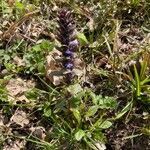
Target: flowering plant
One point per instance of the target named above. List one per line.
(66, 36)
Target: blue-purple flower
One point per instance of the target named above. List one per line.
(68, 53)
(69, 65)
(73, 45)
(67, 37)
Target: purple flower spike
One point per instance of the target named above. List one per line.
(66, 36)
(68, 53)
(66, 26)
(69, 65)
(73, 44)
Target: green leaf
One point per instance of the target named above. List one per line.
(47, 109)
(144, 65)
(3, 94)
(94, 98)
(92, 110)
(145, 81)
(100, 72)
(41, 67)
(135, 2)
(79, 135)
(107, 102)
(105, 125)
(124, 110)
(98, 135)
(6, 57)
(74, 89)
(76, 114)
(46, 45)
(36, 48)
(137, 79)
(90, 143)
(32, 94)
(47, 112)
(2, 52)
(82, 38)
(19, 5)
(103, 102)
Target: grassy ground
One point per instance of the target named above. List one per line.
(105, 106)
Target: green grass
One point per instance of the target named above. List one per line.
(115, 51)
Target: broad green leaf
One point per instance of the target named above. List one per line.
(19, 5)
(96, 125)
(6, 57)
(76, 114)
(76, 99)
(46, 45)
(82, 38)
(103, 102)
(41, 67)
(94, 98)
(74, 89)
(34, 93)
(36, 48)
(92, 110)
(2, 52)
(79, 134)
(98, 135)
(107, 102)
(106, 124)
